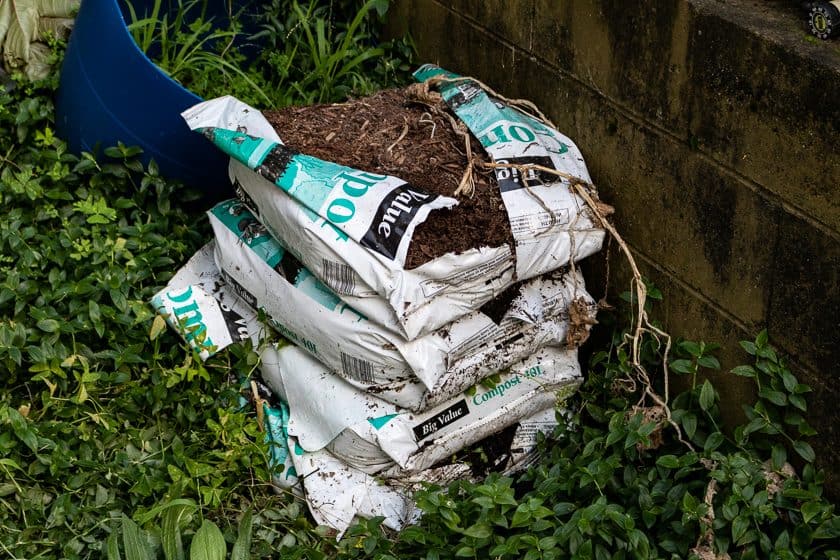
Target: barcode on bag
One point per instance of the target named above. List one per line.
(339, 277)
(356, 368)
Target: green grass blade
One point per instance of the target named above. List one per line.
(323, 42)
(357, 21)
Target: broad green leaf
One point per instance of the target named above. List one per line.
(48, 325)
(799, 402)
(714, 441)
(707, 395)
(709, 362)
(242, 546)
(93, 311)
(521, 517)
(739, 526)
(744, 371)
(480, 531)
(113, 547)
(789, 380)
(682, 366)
(804, 450)
(208, 543)
(134, 542)
(158, 325)
(170, 534)
(779, 456)
(689, 422)
(811, 509)
(776, 397)
(668, 461)
(691, 347)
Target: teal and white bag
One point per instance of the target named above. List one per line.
(413, 374)
(352, 229)
(378, 437)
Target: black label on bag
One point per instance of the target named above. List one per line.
(239, 290)
(510, 178)
(275, 162)
(391, 220)
(467, 90)
(443, 418)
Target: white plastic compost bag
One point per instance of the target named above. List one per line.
(199, 306)
(352, 229)
(373, 435)
(335, 492)
(368, 355)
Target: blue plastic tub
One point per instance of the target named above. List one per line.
(110, 91)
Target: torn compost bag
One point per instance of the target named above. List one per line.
(379, 438)
(370, 356)
(352, 228)
(197, 304)
(336, 493)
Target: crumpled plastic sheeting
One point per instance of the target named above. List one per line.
(24, 26)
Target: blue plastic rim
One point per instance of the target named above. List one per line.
(111, 92)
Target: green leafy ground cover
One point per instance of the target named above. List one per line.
(116, 443)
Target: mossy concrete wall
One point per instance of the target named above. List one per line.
(713, 127)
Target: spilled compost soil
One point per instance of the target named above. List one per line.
(393, 133)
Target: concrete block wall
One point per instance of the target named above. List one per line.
(713, 126)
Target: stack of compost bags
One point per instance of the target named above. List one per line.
(390, 369)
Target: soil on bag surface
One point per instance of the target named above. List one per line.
(391, 133)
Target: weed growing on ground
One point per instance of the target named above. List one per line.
(312, 52)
